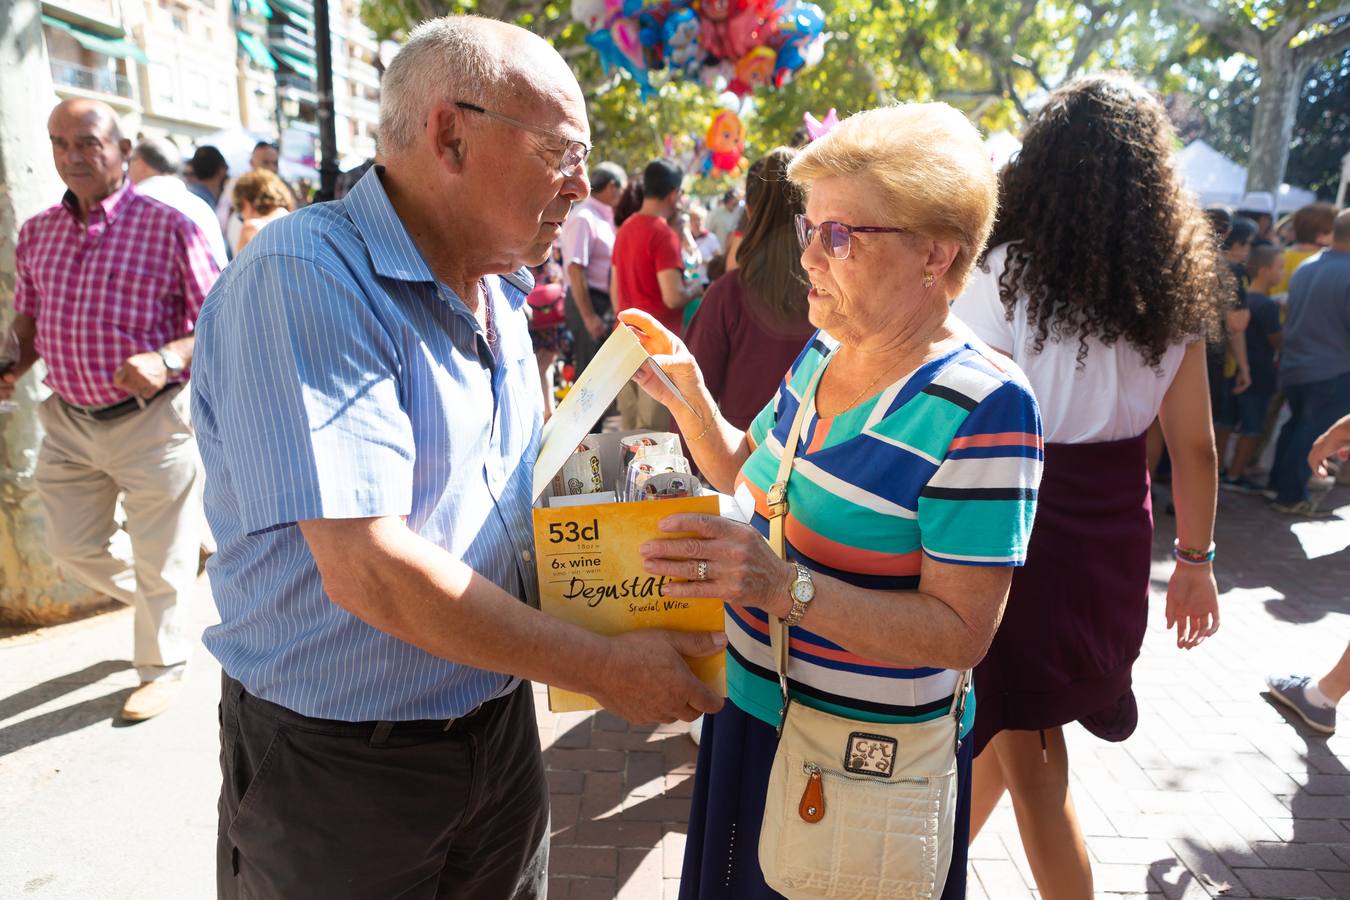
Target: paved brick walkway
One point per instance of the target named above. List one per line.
(1216, 794)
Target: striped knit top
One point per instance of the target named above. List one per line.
(944, 462)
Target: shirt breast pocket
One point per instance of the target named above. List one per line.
(135, 299)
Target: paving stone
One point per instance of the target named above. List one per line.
(1284, 883)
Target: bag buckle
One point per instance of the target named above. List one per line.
(777, 499)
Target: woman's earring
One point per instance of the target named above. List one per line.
(928, 279)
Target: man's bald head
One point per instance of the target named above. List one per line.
(88, 149)
(1340, 231)
(466, 59)
(96, 114)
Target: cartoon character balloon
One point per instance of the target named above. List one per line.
(754, 69)
(620, 48)
(682, 49)
(590, 13)
(726, 140)
(747, 43)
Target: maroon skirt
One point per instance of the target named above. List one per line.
(1077, 610)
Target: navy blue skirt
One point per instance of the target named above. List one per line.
(721, 856)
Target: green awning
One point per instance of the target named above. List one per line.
(255, 50)
(99, 43)
(293, 47)
(297, 11)
(260, 8)
(295, 63)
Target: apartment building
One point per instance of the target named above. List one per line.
(187, 69)
(189, 87)
(92, 55)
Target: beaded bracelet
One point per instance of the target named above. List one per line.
(1192, 557)
(707, 426)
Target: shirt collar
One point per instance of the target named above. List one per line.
(603, 210)
(392, 251)
(112, 205)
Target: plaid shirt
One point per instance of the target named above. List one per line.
(128, 281)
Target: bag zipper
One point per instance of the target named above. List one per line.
(812, 805)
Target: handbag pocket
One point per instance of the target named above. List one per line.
(831, 833)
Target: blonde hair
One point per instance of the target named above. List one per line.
(931, 173)
(264, 190)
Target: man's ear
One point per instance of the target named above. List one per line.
(124, 145)
(445, 131)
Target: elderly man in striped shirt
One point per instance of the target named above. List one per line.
(109, 285)
(369, 413)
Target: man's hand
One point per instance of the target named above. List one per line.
(142, 375)
(595, 326)
(645, 680)
(7, 381)
(1242, 380)
(1334, 443)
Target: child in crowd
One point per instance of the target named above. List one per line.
(1249, 409)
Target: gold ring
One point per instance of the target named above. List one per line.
(702, 570)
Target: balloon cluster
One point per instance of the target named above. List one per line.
(737, 45)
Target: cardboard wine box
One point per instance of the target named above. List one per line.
(590, 570)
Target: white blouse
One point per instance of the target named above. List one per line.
(1114, 395)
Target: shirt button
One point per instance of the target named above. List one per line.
(525, 555)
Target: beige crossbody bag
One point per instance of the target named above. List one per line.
(857, 810)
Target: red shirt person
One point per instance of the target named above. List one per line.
(648, 274)
(108, 290)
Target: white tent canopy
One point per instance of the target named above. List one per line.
(1218, 181)
(236, 145)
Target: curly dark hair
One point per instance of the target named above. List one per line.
(1104, 241)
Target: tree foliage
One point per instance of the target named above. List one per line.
(1222, 112)
(994, 59)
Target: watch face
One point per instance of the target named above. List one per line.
(803, 591)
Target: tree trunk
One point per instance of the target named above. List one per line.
(1273, 125)
(31, 590)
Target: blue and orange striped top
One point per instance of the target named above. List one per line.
(945, 462)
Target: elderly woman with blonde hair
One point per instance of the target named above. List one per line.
(260, 197)
(914, 456)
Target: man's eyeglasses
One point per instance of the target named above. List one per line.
(574, 154)
(836, 237)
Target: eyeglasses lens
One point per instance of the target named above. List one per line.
(836, 238)
(805, 231)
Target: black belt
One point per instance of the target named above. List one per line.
(377, 732)
(117, 410)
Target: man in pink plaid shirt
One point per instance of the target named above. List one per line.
(109, 286)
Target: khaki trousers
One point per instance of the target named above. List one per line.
(148, 458)
(639, 412)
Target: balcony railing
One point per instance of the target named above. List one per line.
(99, 80)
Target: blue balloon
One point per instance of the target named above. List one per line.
(612, 57)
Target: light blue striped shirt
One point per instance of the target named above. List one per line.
(335, 377)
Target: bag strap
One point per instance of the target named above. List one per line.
(777, 501)
(778, 506)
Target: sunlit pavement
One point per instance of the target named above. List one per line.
(1216, 794)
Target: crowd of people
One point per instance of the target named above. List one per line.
(940, 389)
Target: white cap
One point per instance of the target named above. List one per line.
(1258, 201)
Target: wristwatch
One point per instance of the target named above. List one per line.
(802, 591)
(173, 363)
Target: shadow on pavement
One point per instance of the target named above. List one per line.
(1258, 549)
(49, 690)
(63, 721)
(623, 797)
(1316, 808)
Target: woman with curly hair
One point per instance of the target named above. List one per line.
(1101, 282)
